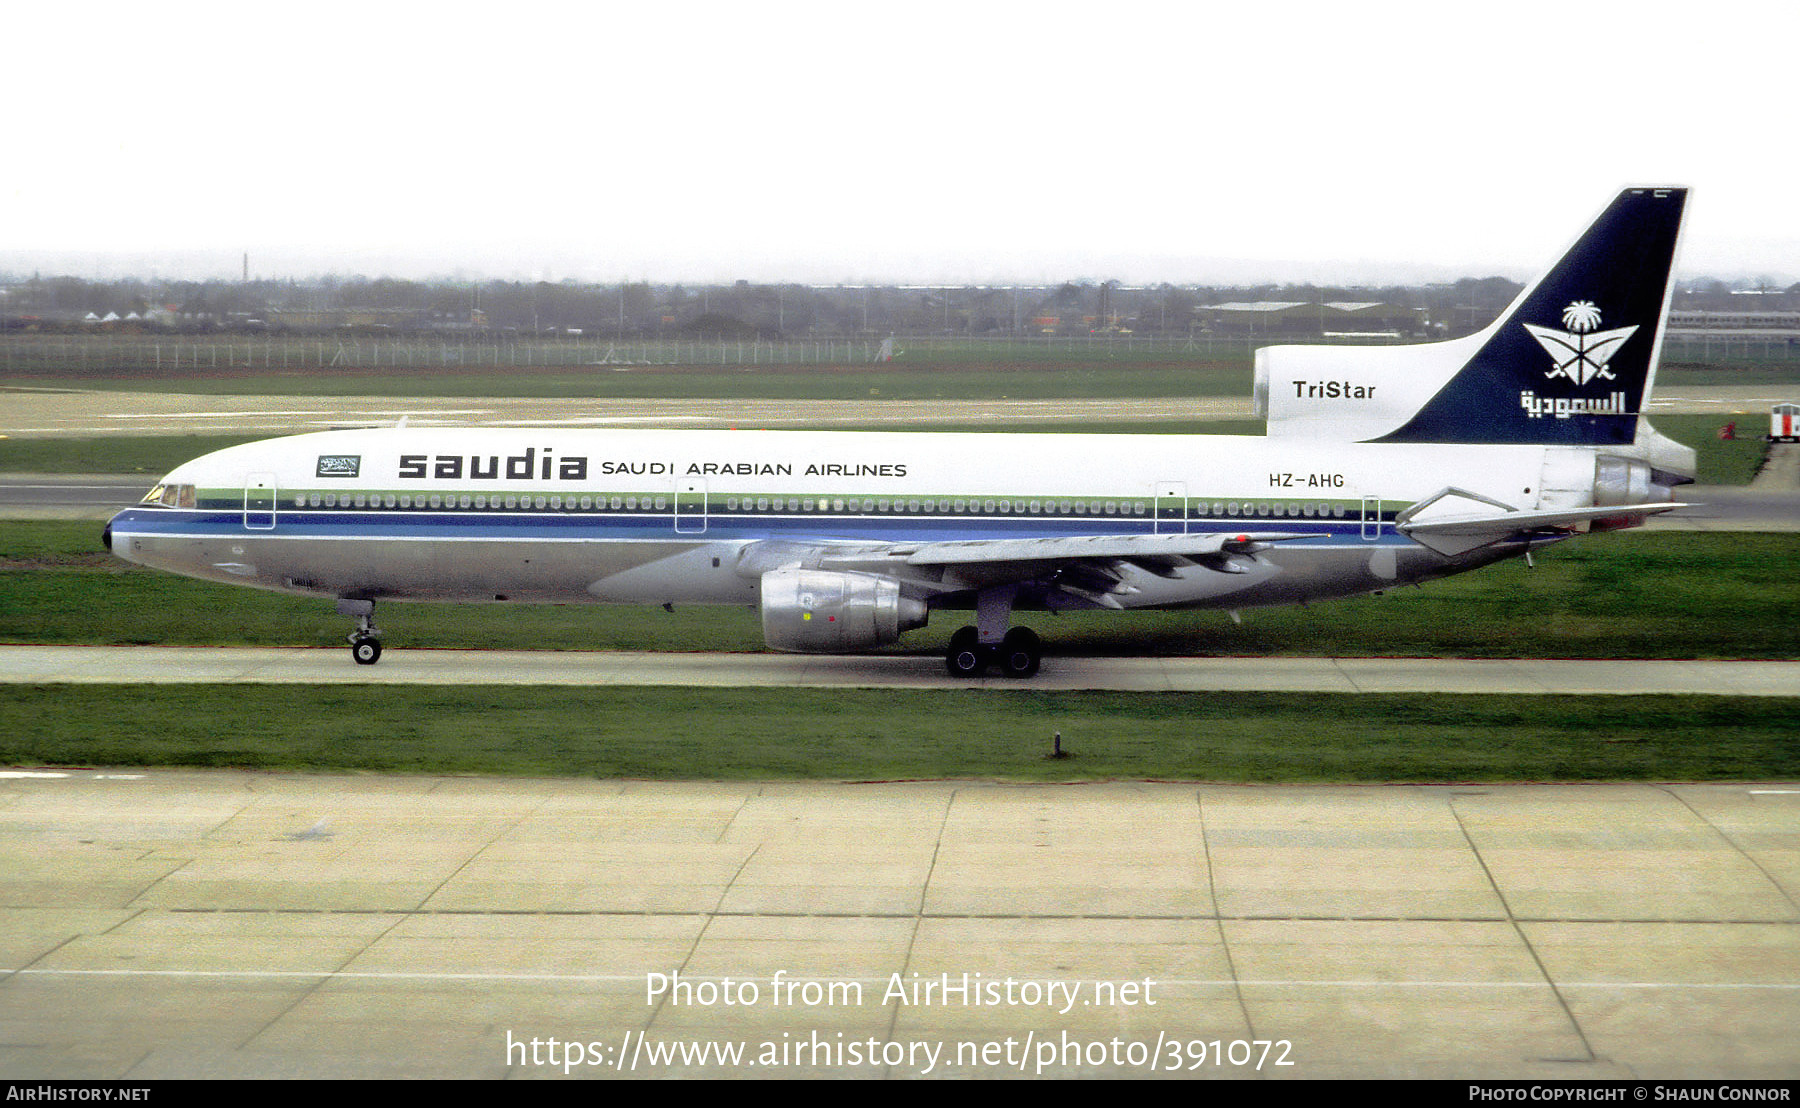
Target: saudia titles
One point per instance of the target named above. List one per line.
(1579, 354)
(531, 465)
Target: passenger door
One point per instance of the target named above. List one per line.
(259, 502)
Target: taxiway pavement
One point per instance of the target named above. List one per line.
(177, 924)
(85, 414)
(139, 665)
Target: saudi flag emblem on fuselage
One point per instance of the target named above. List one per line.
(1580, 353)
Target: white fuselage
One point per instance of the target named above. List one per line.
(663, 516)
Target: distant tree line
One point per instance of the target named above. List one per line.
(739, 310)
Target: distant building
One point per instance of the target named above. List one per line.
(1297, 318)
(1734, 321)
(332, 319)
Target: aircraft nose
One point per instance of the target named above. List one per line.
(106, 533)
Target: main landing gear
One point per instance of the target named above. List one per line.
(1016, 652)
(1016, 655)
(365, 641)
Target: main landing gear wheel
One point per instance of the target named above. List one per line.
(365, 649)
(966, 656)
(1020, 653)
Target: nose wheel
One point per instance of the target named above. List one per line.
(365, 641)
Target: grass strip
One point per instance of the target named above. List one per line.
(741, 734)
(1144, 375)
(1632, 595)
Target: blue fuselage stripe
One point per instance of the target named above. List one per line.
(660, 526)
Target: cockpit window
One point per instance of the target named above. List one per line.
(170, 496)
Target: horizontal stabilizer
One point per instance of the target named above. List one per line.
(1451, 535)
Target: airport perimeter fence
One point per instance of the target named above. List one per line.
(58, 354)
(74, 356)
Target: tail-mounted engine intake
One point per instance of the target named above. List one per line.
(814, 611)
(1623, 481)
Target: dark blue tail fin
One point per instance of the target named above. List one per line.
(1571, 362)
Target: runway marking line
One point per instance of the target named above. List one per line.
(638, 978)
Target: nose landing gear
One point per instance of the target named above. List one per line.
(365, 641)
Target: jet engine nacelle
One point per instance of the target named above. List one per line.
(814, 611)
(1621, 481)
(1625, 481)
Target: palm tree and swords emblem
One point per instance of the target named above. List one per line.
(1580, 353)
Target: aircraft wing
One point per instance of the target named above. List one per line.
(1085, 547)
(1091, 567)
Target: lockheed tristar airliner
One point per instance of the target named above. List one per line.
(1381, 466)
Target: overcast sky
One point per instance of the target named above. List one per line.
(919, 141)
